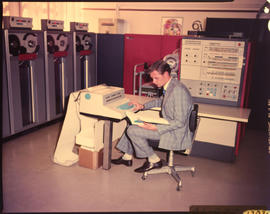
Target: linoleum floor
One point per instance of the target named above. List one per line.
(32, 182)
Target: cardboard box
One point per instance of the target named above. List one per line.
(90, 159)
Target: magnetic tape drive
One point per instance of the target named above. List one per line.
(20, 38)
(57, 40)
(83, 39)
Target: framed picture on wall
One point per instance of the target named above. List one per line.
(172, 26)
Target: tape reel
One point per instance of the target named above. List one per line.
(197, 25)
(87, 42)
(173, 62)
(62, 42)
(22, 43)
(83, 42)
(30, 42)
(51, 44)
(79, 46)
(14, 45)
(57, 42)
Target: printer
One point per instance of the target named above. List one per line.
(105, 101)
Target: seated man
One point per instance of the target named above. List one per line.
(176, 105)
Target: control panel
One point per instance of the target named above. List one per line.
(47, 24)
(213, 68)
(212, 90)
(77, 26)
(17, 22)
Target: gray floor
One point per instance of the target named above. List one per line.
(33, 183)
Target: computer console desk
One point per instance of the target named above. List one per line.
(217, 137)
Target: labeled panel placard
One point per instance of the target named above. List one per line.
(213, 69)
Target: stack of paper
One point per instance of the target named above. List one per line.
(149, 116)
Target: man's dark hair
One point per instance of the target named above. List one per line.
(159, 66)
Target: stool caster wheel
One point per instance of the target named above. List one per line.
(143, 177)
(179, 186)
(193, 172)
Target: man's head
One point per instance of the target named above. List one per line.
(160, 73)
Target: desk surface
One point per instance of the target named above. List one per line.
(224, 112)
(139, 99)
(209, 110)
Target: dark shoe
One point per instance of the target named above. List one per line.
(122, 161)
(149, 166)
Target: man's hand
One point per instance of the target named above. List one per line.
(148, 126)
(137, 107)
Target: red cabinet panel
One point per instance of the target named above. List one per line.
(140, 48)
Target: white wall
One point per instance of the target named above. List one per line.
(140, 17)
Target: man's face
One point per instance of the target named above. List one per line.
(159, 79)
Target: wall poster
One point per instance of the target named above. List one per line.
(172, 26)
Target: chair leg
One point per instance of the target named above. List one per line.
(171, 170)
(164, 169)
(185, 168)
(177, 178)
